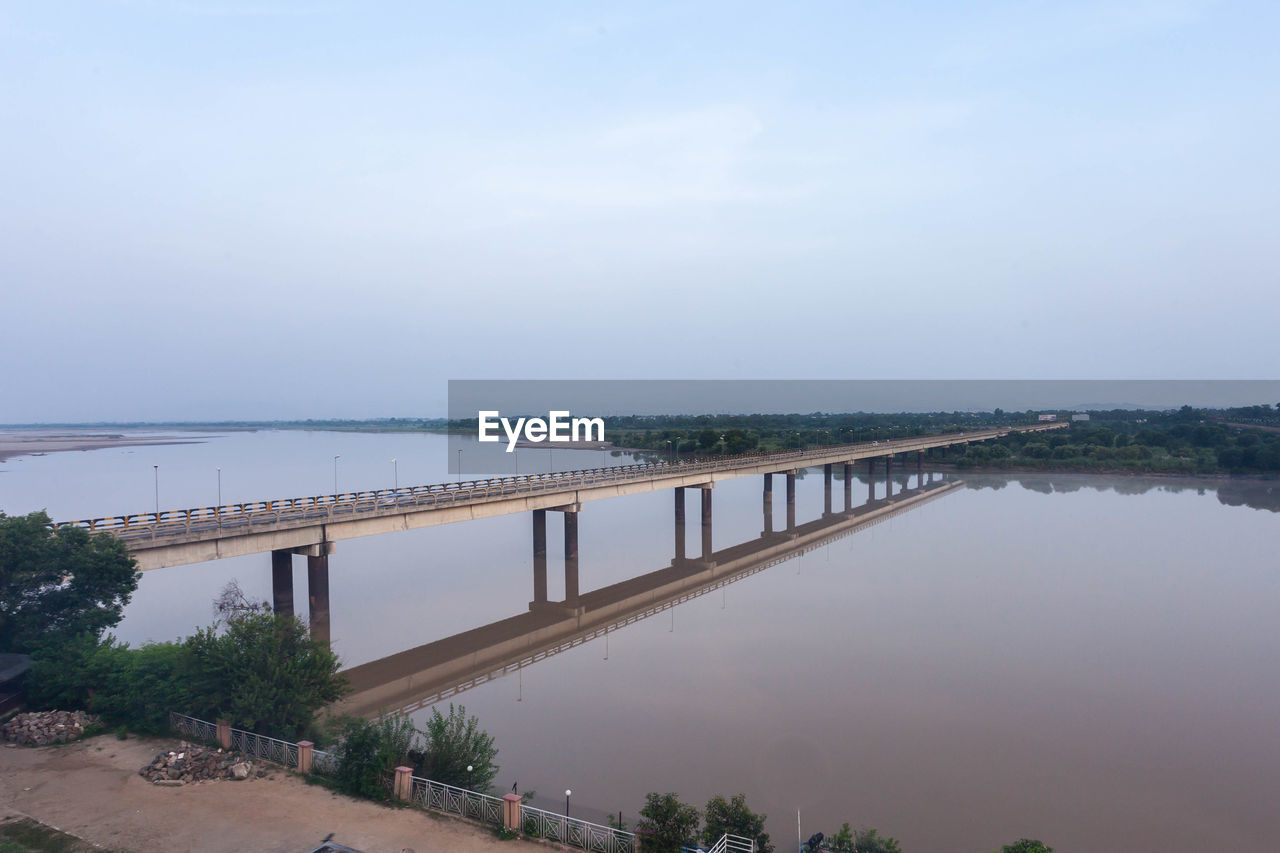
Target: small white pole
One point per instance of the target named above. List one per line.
(799, 835)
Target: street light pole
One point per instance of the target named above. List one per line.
(395, 473)
(157, 472)
(219, 487)
(459, 464)
(335, 473)
(567, 792)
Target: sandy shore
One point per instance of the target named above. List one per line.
(92, 789)
(33, 442)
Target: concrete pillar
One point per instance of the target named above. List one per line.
(539, 555)
(224, 733)
(768, 504)
(306, 753)
(680, 534)
(706, 524)
(511, 811)
(403, 787)
(571, 556)
(871, 479)
(888, 476)
(919, 468)
(318, 596)
(848, 486)
(791, 500)
(282, 582)
(826, 489)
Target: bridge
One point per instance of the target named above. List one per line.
(311, 526)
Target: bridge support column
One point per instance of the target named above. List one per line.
(318, 596)
(768, 504)
(706, 523)
(848, 486)
(791, 500)
(919, 469)
(539, 556)
(680, 531)
(282, 582)
(826, 489)
(571, 557)
(871, 479)
(888, 476)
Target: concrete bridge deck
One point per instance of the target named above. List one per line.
(309, 525)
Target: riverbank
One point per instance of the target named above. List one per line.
(37, 443)
(91, 789)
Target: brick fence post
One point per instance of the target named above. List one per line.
(403, 787)
(224, 734)
(511, 811)
(304, 755)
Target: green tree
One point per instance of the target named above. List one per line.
(666, 824)
(848, 840)
(368, 750)
(264, 672)
(452, 743)
(734, 817)
(58, 584)
(1026, 845)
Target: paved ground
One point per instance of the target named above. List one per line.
(92, 789)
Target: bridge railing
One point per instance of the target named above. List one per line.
(248, 513)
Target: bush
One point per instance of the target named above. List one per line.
(733, 816)
(370, 750)
(452, 743)
(666, 824)
(264, 673)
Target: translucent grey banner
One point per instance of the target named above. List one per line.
(491, 418)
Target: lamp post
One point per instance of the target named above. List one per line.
(219, 491)
(459, 464)
(469, 769)
(156, 468)
(567, 792)
(335, 473)
(395, 474)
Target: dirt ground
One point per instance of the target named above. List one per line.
(92, 789)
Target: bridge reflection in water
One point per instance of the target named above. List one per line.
(430, 673)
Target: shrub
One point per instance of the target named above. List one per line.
(666, 824)
(452, 743)
(370, 750)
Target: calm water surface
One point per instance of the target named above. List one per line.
(1087, 660)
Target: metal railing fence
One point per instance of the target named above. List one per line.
(242, 516)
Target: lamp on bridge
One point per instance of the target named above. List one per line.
(395, 474)
(335, 473)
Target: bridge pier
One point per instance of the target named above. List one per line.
(680, 531)
(919, 468)
(571, 557)
(826, 489)
(282, 582)
(791, 500)
(318, 596)
(706, 523)
(539, 556)
(888, 476)
(848, 486)
(768, 504)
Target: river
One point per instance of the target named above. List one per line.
(1082, 659)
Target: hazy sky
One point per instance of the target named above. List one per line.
(292, 209)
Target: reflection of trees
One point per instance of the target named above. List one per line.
(1256, 494)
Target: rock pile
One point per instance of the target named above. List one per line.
(189, 763)
(39, 728)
